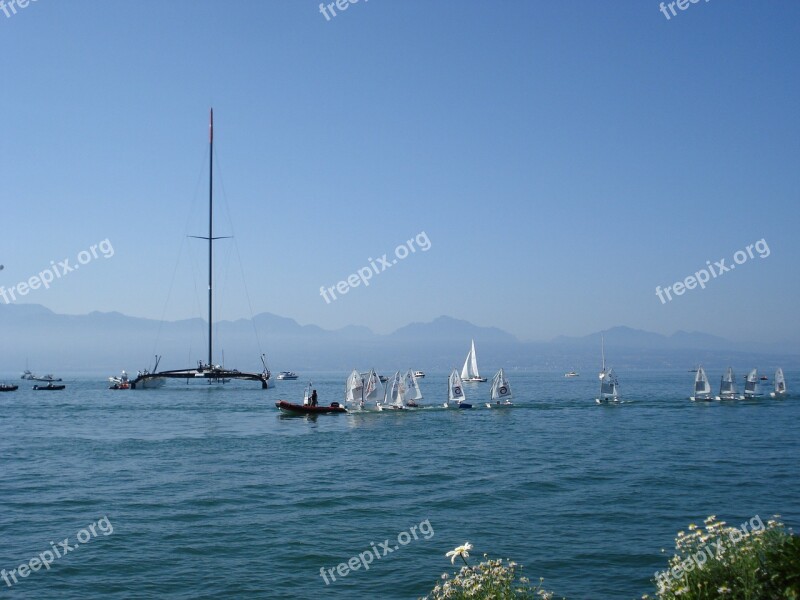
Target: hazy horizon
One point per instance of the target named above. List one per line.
(561, 172)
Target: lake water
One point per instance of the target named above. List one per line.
(212, 494)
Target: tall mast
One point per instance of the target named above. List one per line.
(603, 351)
(210, 227)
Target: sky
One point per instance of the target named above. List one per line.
(559, 160)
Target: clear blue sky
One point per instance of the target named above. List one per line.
(564, 159)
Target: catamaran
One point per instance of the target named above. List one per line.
(780, 385)
(751, 389)
(413, 393)
(207, 370)
(608, 380)
(702, 388)
(727, 386)
(455, 391)
(394, 398)
(501, 391)
(470, 371)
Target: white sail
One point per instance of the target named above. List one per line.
(455, 388)
(727, 386)
(702, 388)
(373, 388)
(501, 389)
(470, 370)
(353, 388)
(608, 386)
(751, 385)
(395, 393)
(780, 384)
(412, 387)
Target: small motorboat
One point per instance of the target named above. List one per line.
(419, 374)
(292, 408)
(572, 374)
(287, 375)
(49, 387)
(120, 383)
(8, 387)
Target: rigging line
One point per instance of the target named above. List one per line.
(238, 254)
(180, 253)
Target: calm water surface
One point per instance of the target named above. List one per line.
(213, 494)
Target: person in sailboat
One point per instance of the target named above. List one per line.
(314, 398)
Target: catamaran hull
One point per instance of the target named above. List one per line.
(475, 380)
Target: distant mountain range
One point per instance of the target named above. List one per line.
(108, 342)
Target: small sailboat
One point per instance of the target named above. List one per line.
(727, 386)
(702, 388)
(751, 389)
(501, 391)
(455, 391)
(373, 387)
(780, 385)
(354, 390)
(394, 399)
(470, 371)
(413, 393)
(609, 385)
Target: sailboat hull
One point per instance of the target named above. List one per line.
(475, 380)
(607, 400)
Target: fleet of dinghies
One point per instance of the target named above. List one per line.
(728, 389)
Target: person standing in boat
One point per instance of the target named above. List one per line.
(314, 398)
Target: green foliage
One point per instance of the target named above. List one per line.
(718, 562)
